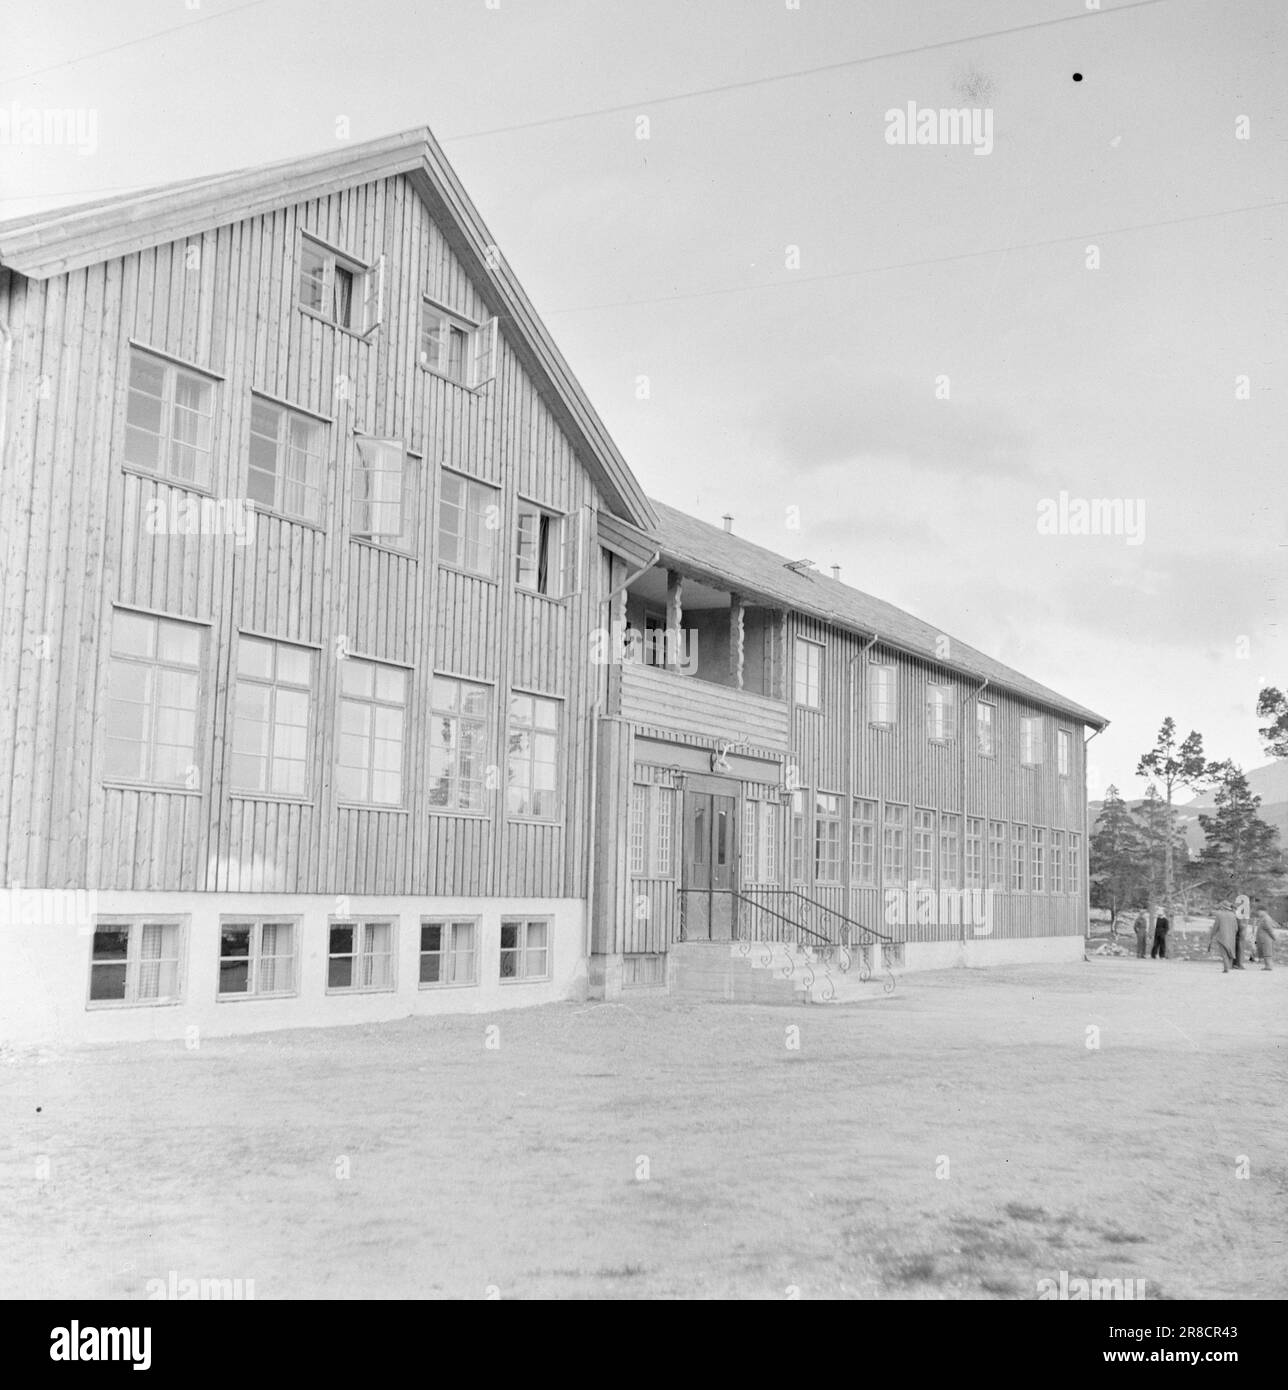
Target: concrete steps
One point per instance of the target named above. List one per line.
(765, 972)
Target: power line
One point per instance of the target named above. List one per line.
(793, 75)
(911, 265)
(130, 43)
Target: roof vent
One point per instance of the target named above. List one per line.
(798, 566)
(836, 571)
(728, 521)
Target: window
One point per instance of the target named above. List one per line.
(941, 713)
(996, 854)
(284, 468)
(135, 962)
(949, 850)
(1062, 743)
(256, 959)
(808, 671)
(271, 717)
(373, 714)
(340, 290)
(894, 846)
(153, 691)
(1075, 863)
(545, 555)
(384, 493)
(533, 766)
(460, 715)
(1031, 740)
(361, 956)
(1019, 848)
(468, 518)
(923, 848)
(448, 953)
(760, 841)
(454, 347)
(525, 950)
(863, 844)
(985, 722)
(974, 852)
(169, 420)
(1057, 861)
(1038, 878)
(827, 838)
(798, 837)
(652, 831)
(882, 695)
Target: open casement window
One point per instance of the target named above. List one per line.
(341, 290)
(455, 348)
(547, 551)
(384, 492)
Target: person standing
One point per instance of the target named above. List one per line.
(1161, 926)
(1243, 939)
(1225, 933)
(1266, 928)
(1141, 928)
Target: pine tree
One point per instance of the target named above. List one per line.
(1117, 852)
(1174, 765)
(1241, 852)
(1272, 705)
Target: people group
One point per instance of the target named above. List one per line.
(1240, 929)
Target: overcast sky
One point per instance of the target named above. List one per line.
(773, 385)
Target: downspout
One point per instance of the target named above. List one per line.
(1086, 840)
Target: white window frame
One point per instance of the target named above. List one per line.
(652, 830)
(480, 504)
(829, 833)
(157, 667)
(362, 928)
(1019, 858)
(1031, 736)
(807, 673)
(925, 831)
(883, 695)
(760, 841)
(167, 441)
(449, 952)
(135, 926)
(287, 448)
(997, 866)
(894, 844)
(478, 345)
(864, 820)
(255, 958)
(273, 684)
(523, 949)
(560, 535)
(527, 757)
(1037, 859)
(1074, 875)
(375, 702)
(975, 865)
(950, 849)
(986, 729)
(799, 836)
(385, 490)
(941, 712)
(1057, 861)
(471, 734)
(1063, 751)
(367, 300)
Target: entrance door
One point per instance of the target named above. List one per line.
(709, 848)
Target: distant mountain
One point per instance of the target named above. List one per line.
(1270, 783)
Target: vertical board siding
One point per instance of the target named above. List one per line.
(77, 535)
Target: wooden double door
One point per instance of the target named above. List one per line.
(709, 864)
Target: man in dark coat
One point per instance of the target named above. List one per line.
(1161, 925)
(1141, 928)
(1225, 932)
(1266, 928)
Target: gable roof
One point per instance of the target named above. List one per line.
(51, 243)
(710, 553)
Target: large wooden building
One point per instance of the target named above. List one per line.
(349, 673)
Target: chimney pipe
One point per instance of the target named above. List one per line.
(728, 521)
(836, 571)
